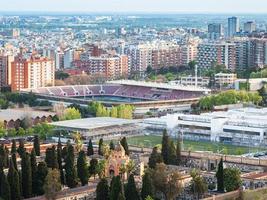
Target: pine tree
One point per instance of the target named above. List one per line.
(5, 188)
(102, 190)
(14, 159)
(115, 188)
(34, 171)
(178, 152)
(147, 186)
(21, 149)
(71, 174)
(111, 145)
(26, 174)
(82, 168)
(41, 174)
(90, 148)
(131, 192)
(13, 179)
(154, 158)
(59, 160)
(51, 158)
(100, 147)
(36, 144)
(14, 147)
(165, 151)
(93, 167)
(220, 177)
(125, 145)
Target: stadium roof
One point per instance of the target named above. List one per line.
(160, 85)
(93, 123)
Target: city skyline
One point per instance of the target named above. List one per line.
(149, 6)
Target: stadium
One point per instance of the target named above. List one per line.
(123, 91)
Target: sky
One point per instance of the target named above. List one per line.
(164, 6)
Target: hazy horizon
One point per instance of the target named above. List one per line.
(136, 6)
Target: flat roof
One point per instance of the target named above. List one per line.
(94, 123)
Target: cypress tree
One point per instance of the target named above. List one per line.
(34, 171)
(71, 174)
(59, 160)
(51, 158)
(5, 188)
(154, 158)
(172, 153)
(102, 190)
(21, 149)
(125, 145)
(36, 144)
(14, 159)
(178, 152)
(100, 147)
(111, 145)
(147, 186)
(93, 167)
(41, 174)
(82, 168)
(115, 188)
(219, 176)
(26, 175)
(14, 147)
(131, 192)
(165, 147)
(90, 148)
(13, 179)
(4, 155)
(121, 196)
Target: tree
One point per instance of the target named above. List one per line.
(59, 161)
(43, 130)
(78, 141)
(232, 179)
(198, 184)
(115, 188)
(111, 145)
(131, 192)
(93, 167)
(21, 150)
(71, 113)
(14, 159)
(100, 147)
(178, 152)
(52, 184)
(155, 158)
(51, 157)
(102, 190)
(125, 145)
(26, 173)
(41, 174)
(5, 188)
(13, 179)
(90, 148)
(166, 182)
(100, 168)
(71, 174)
(165, 151)
(121, 196)
(14, 147)
(147, 186)
(82, 168)
(36, 144)
(220, 177)
(172, 153)
(34, 171)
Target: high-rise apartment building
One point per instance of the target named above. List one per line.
(233, 26)
(215, 31)
(249, 27)
(32, 73)
(223, 53)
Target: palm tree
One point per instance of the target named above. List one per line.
(78, 141)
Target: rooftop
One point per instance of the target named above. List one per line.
(93, 123)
